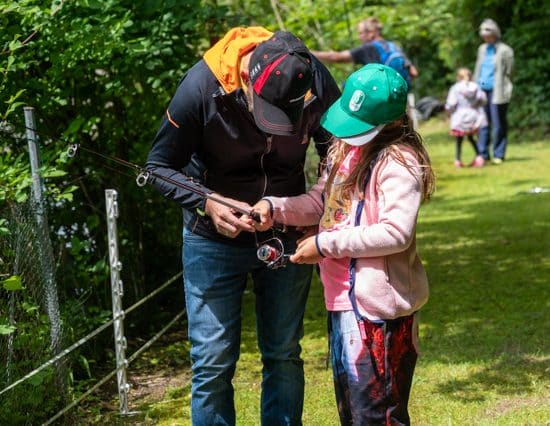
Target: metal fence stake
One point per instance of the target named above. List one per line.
(45, 248)
(117, 291)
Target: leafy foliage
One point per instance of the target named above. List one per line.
(438, 36)
(100, 73)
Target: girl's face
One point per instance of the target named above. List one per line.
(463, 75)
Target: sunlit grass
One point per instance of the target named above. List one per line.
(485, 242)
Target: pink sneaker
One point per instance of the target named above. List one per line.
(458, 164)
(479, 161)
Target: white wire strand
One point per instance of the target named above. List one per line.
(94, 333)
(112, 373)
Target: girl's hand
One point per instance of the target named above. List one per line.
(306, 252)
(263, 208)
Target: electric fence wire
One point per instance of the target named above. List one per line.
(112, 373)
(91, 335)
(94, 333)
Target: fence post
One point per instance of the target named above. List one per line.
(44, 245)
(117, 291)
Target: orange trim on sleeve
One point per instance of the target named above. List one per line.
(172, 122)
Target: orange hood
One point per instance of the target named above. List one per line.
(224, 57)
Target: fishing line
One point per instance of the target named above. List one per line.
(270, 251)
(144, 174)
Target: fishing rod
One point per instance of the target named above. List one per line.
(144, 176)
(270, 251)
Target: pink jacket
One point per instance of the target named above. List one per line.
(390, 280)
(465, 103)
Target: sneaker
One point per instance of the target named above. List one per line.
(479, 161)
(497, 160)
(458, 164)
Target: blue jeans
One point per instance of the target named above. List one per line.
(496, 117)
(215, 276)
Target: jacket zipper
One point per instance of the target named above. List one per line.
(267, 150)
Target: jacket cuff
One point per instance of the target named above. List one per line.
(270, 206)
(317, 245)
(201, 208)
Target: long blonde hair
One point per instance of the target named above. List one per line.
(387, 142)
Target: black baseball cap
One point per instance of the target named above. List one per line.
(281, 74)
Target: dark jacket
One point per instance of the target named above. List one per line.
(209, 136)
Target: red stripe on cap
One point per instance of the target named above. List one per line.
(259, 83)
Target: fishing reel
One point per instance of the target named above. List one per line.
(272, 253)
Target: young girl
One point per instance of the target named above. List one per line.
(366, 204)
(465, 104)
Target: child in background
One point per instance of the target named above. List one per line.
(366, 204)
(465, 104)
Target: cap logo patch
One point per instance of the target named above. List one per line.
(257, 68)
(356, 100)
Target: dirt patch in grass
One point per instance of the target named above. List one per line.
(150, 386)
(163, 368)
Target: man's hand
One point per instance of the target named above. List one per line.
(227, 220)
(306, 252)
(263, 208)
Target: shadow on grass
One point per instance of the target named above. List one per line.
(489, 271)
(489, 268)
(512, 375)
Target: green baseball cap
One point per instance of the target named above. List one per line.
(373, 96)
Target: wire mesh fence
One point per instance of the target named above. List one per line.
(34, 370)
(26, 329)
(50, 299)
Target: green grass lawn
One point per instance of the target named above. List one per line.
(485, 358)
(484, 239)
